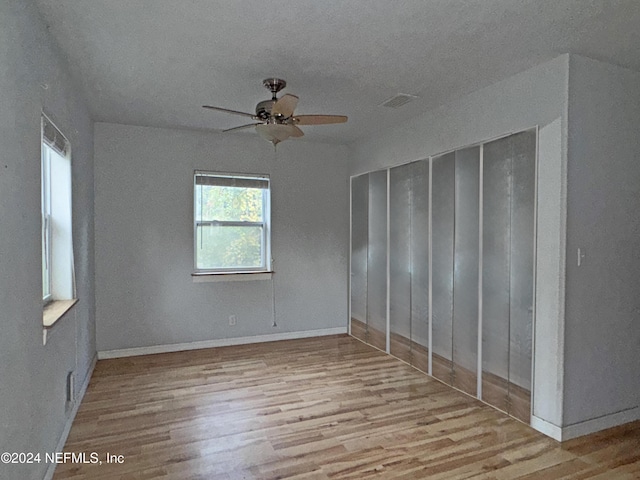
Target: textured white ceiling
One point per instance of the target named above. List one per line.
(155, 62)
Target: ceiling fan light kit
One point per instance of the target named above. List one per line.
(274, 119)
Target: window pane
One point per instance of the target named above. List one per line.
(229, 203)
(228, 247)
(46, 220)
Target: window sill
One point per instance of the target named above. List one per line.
(55, 310)
(230, 276)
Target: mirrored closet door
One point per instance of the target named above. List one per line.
(508, 272)
(409, 263)
(450, 242)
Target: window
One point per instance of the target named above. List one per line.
(57, 245)
(231, 223)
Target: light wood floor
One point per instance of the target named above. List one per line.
(321, 408)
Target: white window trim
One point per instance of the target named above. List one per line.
(235, 274)
(230, 277)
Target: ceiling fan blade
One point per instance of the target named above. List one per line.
(318, 119)
(240, 127)
(226, 110)
(285, 105)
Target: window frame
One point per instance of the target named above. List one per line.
(56, 211)
(265, 252)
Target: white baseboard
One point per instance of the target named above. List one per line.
(562, 434)
(600, 423)
(549, 429)
(224, 342)
(67, 426)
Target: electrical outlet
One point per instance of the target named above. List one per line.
(232, 320)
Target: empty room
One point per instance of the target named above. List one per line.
(319, 239)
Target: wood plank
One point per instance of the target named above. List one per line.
(318, 408)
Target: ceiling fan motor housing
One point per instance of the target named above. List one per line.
(263, 109)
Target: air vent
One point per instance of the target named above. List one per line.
(398, 100)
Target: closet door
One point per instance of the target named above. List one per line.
(442, 240)
(507, 276)
(496, 268)
(400, 272)
(522, 268)
(377, 261)
(419, 265)
(359, 254)
(466, 263)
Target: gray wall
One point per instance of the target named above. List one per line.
(535, 97)
(32, 376)
(602, 362)
(144, 237)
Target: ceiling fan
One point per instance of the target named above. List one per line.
(274, 119)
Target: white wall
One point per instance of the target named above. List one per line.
(144, 238)
(32, 376)
(535, 97)
(602, 362)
